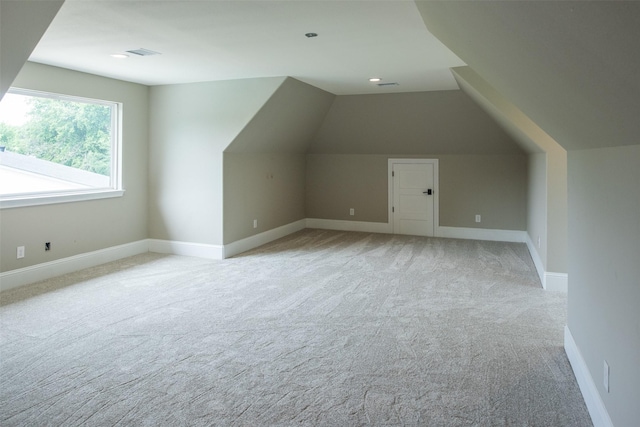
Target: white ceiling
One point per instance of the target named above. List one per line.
(223, 40)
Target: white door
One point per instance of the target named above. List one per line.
(414, 205)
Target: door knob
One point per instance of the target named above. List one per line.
(427, 192)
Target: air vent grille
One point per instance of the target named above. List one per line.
(388, 84)
(143, 52)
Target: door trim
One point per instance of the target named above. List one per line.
(436, 190)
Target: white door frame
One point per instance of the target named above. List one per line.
(436, 192)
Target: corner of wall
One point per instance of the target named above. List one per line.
(595, 405)
(557, 282)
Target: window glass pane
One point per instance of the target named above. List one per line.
(51, 143)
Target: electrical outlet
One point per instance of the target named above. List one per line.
(255, 223)
(47, 246)
(20, 252)
(478, 218)
(606, 376)
(352, 211)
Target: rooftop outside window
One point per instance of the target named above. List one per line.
(56, 145)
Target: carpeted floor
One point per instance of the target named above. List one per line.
(321, 328)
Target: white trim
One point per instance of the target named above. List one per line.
(24, 276)
(199, 250)
(595, 405)
(516, 236)
(251, 242)
(15, 278)
(481, 234)
(8, 202)
(436, 188)
(343, 225)
(447, 232)
(557, 282)
(537, 261)
(115, 144)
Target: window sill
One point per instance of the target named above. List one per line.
(54, 198)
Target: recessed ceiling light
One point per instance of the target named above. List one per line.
(310, 35)
(375, 79)
(119, 56)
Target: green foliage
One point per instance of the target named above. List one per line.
(69, 133)
(7, 135)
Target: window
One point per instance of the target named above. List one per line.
(56, 148)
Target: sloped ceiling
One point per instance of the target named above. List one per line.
(287, 122)
(572, 67)
(525, 133)
(22, 23)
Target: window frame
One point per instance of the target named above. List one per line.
(115, 188)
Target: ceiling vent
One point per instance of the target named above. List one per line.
(143, 52)
(388, 84)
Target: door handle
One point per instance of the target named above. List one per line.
(428, 192)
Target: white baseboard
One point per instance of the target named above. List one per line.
(24, 276)
(200, 250)
(448, 232)
(595, 405)
(343, 225)
(248, 243)
(557, 282)
(14, 278)
(516, 236)
(535, 256)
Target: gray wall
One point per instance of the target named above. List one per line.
(573, 68)
(266, 187)
(191, 125)
(547, 183)
(604, 271)
(482, 170)
(76, 228)
(537, 204)
(337, 182)
(493, 186)
(264, 167)
(557, 206)
(445, 122)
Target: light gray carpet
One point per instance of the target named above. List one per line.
(319, 328)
